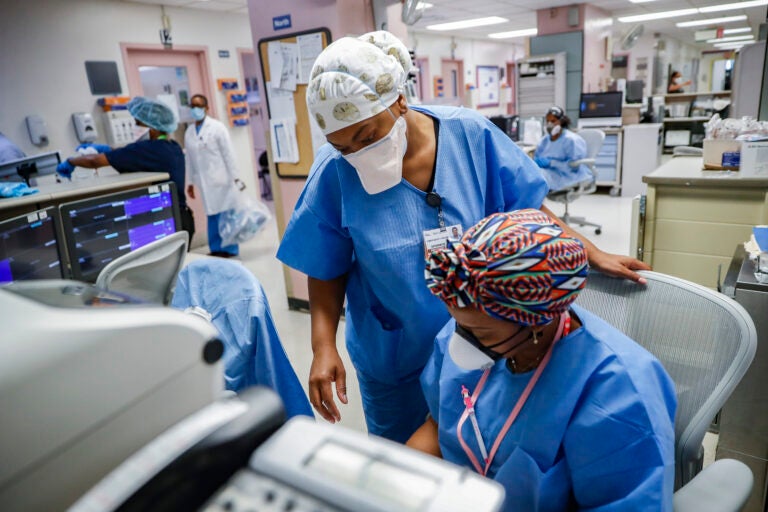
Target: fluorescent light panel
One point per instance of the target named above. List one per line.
(731, 46)
(712, 21)
(733, 6)
(514, 33)
(659, 15)
(423, 5)
(729, 39)
(737, 30)
(477, 22)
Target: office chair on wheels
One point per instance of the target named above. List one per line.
(706, 342)
(594, 139)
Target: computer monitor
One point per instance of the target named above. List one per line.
(29, 167)
(634, 91)
(600, 108)
(30, 247)
(98, 230)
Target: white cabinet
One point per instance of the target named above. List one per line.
(540, 84)
(641, 156)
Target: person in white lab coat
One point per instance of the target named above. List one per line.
(211, 168)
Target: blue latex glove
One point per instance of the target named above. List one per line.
(16, 190)
(101, 148)
(542, 161)
(65, 169)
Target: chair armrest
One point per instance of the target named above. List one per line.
(582, 161)
(723, 486)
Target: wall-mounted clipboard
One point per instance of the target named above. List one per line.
(301, 168)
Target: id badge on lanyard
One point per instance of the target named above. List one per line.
(435, 239)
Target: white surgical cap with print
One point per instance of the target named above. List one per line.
(356, 78)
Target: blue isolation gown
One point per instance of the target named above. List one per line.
(568, 146)
(391, 317)
(253, 354)
(597, 431)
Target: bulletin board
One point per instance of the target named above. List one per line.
(300, 169)
(488, 86)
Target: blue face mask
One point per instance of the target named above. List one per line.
(198, 113)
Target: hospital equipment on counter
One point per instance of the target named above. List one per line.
(304, 466)
(29, 168)
(706, 342)
(87, 377)
(31, 247)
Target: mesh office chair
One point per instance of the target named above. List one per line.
(706, 342)
(594, 139)
(149, 272)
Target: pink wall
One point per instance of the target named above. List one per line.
(554, 20)
(341, 17)
(597, 34)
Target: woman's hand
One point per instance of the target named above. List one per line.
(617, 266)
(327, 368)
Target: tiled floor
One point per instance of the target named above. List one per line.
(294, 327)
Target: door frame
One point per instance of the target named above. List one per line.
(200, 52)
(255, 170)
(460, 84)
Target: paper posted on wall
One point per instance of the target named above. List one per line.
(283, 137)
(283, 65)
(310, 46)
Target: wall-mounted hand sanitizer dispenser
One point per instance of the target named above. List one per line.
(85, 128)
(38, 131)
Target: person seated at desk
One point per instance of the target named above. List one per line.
(559, 147)
(555, 404)
(158, 153)
(676, 84)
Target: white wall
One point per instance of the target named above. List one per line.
(45, 43)
(473, 52)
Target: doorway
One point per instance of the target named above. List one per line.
(453, 81)
(249, 69)
(423, 83)
(173, 77)
(512, 88)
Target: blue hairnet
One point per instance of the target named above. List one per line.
(153, 113)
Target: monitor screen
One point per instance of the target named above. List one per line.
(600, 104)
(29, 168)
(101, 229)
(30, 247)
(103, 77)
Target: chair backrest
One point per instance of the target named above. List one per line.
(705, 340)
(594, 139)
(150, 271)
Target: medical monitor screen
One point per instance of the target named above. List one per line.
(29, 168)
(600, 104)
(101, 229)
(29, 247)
(102, 77)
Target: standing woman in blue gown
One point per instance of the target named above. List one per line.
(526, 388)
(391, 184)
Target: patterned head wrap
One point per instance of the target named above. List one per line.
(356, 78)
(517, 266)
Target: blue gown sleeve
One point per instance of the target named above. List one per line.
(315, 242)
(574, 148)
(430, 376)
(519, 179)
(620, 446)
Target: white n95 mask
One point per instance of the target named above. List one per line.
(380, 165)
(468, 353)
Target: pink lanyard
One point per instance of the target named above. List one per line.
(562, 331)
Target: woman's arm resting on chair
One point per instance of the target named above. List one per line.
(614, 265)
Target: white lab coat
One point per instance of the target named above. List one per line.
(211, 166)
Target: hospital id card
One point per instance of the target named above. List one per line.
(435, 239)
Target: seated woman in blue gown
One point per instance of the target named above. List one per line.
(535, 392)
(559, 147)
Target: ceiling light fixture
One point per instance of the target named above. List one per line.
(730, 46)
(736, 30)
(733, 6)
(514, 33)
(712, 21)
(423, 5)
(477, 22)
(659, 15)
(729, 39)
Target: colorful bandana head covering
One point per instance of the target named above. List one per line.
(517, 266)
(356, 78)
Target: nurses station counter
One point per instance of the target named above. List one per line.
(51, 193)
(694, 218)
